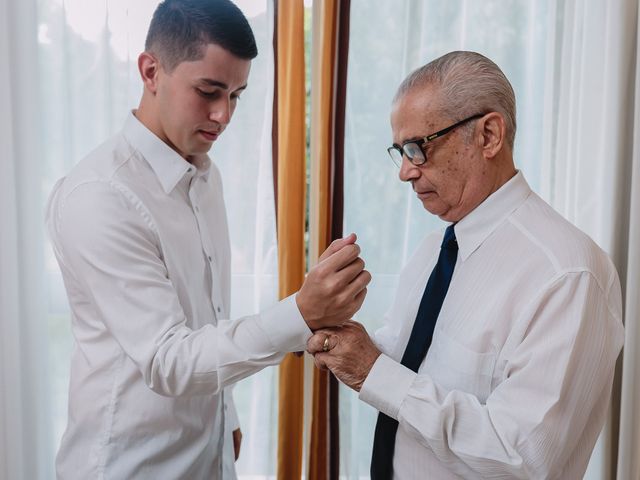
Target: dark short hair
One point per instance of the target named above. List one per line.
(181, 29)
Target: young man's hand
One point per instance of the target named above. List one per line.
(336, 287)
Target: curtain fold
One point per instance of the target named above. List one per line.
(291, 186)
(24, 409)
(324, 21)
(328, 91)
(628, 461)
(337, 217)
(591, 153)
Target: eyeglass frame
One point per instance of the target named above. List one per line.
(421, 142)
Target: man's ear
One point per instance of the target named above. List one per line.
(149, 68)
(492, 134)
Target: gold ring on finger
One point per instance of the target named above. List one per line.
(325, 345)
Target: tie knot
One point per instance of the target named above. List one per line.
(449, 241)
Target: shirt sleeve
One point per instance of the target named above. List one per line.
(559, 374)
(107, 242)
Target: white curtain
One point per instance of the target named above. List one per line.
(573, 68)
(629, 439)
(67, 82)
(24, 414)
(592, 155)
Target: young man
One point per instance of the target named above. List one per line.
(140, 232)
(498, 355)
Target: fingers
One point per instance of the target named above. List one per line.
(357, 286)
(351, 271)
(341, 258)
(336, 245)
(316, 344)
(352, 278)
(320, 359)
(359, 300)
(331, 292)
(315, 347)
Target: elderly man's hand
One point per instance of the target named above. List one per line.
(347, 351)
(336, 287)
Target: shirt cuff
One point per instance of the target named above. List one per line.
(387, 385)
(285, 327)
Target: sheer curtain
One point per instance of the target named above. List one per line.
(592, 154)
(24, 414)
(71, 82)
(572, 66)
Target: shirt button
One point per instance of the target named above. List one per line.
(218, 309)
(197, 209)
(209, 257)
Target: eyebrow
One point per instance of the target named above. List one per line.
(412, 139)
(218, 83)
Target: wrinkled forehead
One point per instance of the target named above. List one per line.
(416, 113)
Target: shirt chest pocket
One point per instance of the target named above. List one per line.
(454, 366)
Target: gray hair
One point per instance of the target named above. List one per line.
(468, 83)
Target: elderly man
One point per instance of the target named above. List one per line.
(498, 353)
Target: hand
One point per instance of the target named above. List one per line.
(336, 287)
(237, 440)
(350, 356)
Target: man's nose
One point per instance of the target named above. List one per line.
(408, 171)
(221, 112)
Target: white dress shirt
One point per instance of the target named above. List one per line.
(517, 381)
(142, 241)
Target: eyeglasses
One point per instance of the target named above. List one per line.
(414, 150)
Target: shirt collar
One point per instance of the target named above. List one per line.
(168, 166)
(476, 227)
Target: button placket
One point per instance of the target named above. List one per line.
(207, 248)
(196, 208)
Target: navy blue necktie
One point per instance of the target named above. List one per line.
(384, 440)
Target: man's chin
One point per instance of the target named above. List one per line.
(449, 216)
(201, 148)
(433, 208)
(440, 211)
